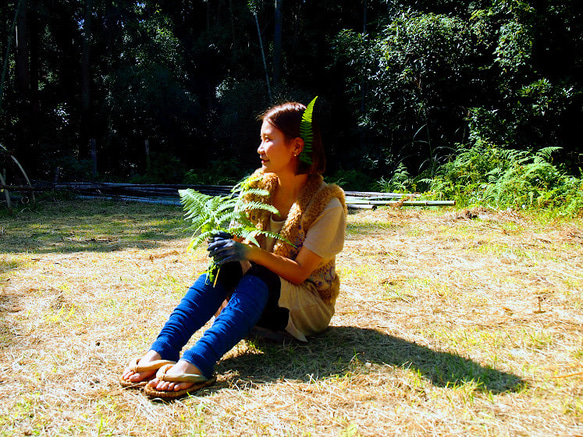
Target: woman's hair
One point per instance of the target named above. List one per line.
(287, 117)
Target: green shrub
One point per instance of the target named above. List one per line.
(352, 180)
(163, 169)
(71, 168)
(491, 176)
(400, 182)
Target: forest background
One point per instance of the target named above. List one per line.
(169, 92)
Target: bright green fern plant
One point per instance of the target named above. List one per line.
(307, 132)
(210, 215)
(492, 176)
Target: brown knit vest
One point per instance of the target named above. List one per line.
(311, 202)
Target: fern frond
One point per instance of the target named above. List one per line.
(546, 152)
(199, 239)
(307, 133)
(255, 192)
(253, 206)
(211, 214)
(245, 184)
(193, 202)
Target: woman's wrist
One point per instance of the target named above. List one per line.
(253, 252)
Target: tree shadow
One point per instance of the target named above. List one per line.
(342, 349)
(91, 226)
(9, 303)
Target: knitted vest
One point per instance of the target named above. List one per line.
(311, 202)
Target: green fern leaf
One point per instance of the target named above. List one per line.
(209, 215)
(307, 133)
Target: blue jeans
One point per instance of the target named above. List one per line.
(200, 303)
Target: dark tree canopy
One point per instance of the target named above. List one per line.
(169, 91)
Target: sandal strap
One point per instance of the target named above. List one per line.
(136, 367)
(184, 377)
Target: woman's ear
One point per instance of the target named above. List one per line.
(298, 145)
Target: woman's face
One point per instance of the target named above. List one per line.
(276, 152)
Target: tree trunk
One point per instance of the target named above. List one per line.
(232, 22)
(277, 44)
(93, 148)
(86, 75)
(22, 71)
(263, 57)
(34, 67)
(25, 117)
(208, 15)
(6, 52)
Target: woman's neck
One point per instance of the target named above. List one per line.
(287, 192)
(290, 185)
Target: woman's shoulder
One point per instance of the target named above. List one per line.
(333, 203)
(329, 196)
(332, 195)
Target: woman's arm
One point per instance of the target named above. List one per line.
(326, 235)
(295, 271)
(225, 250)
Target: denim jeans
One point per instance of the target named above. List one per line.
(201, 302)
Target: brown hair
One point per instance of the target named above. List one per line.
(287, 117)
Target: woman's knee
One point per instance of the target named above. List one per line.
(271, 280)
(229, 275)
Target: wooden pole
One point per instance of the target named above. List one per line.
(147, 150)
(6, 192)
(93, 147)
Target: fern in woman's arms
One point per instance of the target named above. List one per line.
(210, 215)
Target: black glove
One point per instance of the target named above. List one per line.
(226, 250)
(221, 235)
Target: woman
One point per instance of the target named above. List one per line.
(279, 286)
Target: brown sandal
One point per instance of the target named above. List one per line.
(135, 366)
(198, 382)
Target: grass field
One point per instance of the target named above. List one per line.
(449, 323)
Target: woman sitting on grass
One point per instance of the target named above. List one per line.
(278, 286)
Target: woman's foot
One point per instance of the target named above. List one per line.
(142, 370)
(179, 369)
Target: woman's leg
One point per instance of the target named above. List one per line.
(198, 305)
(233, 323)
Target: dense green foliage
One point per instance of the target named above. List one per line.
(163, 91)
(490, 176)
(439, 75)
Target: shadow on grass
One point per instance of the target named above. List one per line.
(8, 304)
(342, 350)
(91, 226)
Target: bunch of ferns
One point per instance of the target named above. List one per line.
(209, 215)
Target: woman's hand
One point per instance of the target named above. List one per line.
(225, 250)
(220, 235)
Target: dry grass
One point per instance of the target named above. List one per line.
(449, 323)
